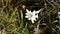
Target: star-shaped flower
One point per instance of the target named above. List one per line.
(32, 15)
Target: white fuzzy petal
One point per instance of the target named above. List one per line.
(27, 10)
(38, 11)
(33, 12)
(35, 19)
(32, 20)
(26, 13)
(29, 18)
(26, 16)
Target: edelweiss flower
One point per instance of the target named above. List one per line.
(32, 15)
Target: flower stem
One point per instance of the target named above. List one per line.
(21, 25)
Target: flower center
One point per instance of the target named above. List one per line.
(30, 15)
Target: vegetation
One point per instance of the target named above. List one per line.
(13, 21)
